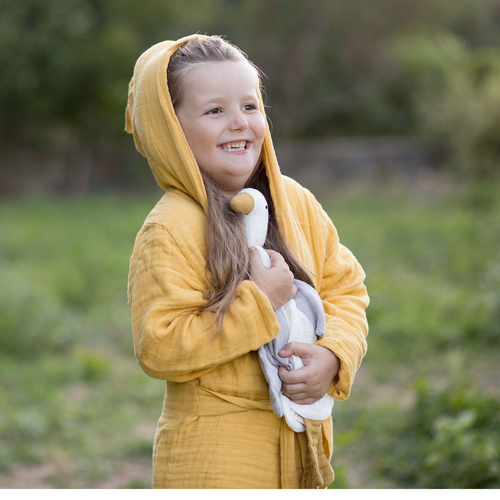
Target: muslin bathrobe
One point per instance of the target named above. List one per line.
(217, 428)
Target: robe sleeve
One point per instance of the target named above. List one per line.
(173, 339)
(344, 299)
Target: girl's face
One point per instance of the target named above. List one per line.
(222, 122)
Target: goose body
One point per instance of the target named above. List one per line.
(295, 322)
(251, 204)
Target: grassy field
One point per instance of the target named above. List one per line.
(77, 412)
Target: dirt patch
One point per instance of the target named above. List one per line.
(35, 477)
(132, 473)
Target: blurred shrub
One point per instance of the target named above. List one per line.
(333, 68)
(63, 273)
(450, 437)
(31, 321)
(491, 284)
(465, 116)
(92, 366)
(454, 91)
(432, 270)
(67, 63)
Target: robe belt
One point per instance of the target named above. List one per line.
(318, 474)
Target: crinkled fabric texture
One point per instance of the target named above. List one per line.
(301, 320)
(217, 428)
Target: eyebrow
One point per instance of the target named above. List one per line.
(220, 100)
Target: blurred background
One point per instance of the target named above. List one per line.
(388, 111)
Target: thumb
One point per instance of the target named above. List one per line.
(296, 349)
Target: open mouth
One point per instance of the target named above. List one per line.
(234, 146)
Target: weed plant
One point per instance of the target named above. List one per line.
(449, 438)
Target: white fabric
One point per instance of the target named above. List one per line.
(301, 330)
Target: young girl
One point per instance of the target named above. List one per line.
(202, 304)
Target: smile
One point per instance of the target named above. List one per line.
(234, 146)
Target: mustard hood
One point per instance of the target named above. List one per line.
(150, 117)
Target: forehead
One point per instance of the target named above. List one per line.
(205, 79)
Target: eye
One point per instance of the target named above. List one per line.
(249, 107)
(214, 111)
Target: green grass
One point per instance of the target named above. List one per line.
(72, 392)
(433, 274)
(74, 397)
(433, 270)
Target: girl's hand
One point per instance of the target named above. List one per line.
(277, 282)
(308, 384)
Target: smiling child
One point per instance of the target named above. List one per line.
(202, 304)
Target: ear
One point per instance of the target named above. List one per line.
(242, 203)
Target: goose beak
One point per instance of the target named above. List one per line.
(242, 203)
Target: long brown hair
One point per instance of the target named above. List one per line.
(228, 256)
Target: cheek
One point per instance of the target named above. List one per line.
(201, 144)
(260, 129)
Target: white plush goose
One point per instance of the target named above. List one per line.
(296, 318)
(252, 206)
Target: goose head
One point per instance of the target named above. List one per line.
(252, 207)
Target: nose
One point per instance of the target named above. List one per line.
(238, 121)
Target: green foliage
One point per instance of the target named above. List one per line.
(93, 366)
(340, 481)
(51, 274)
(433, 275)
(74, 394)
(432, 269)
(449, 439)
(69, 62)
(333, 68)
(66, 64)
(28, 309)
(72, 390)
(453, 94)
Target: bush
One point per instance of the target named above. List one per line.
(31, 321)
(454, 93)
(448, 439)
(465, 116)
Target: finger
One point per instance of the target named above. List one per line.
(298, 349)
(276, 258)
(256, 265)
(301, 395)
(272, 252)
(295, 392)
(297, 395)
(295, 389)
(293, 377)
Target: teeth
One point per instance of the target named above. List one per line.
(234, 146)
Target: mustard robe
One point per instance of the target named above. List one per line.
(217, 428)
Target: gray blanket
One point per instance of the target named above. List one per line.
(309, 303)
